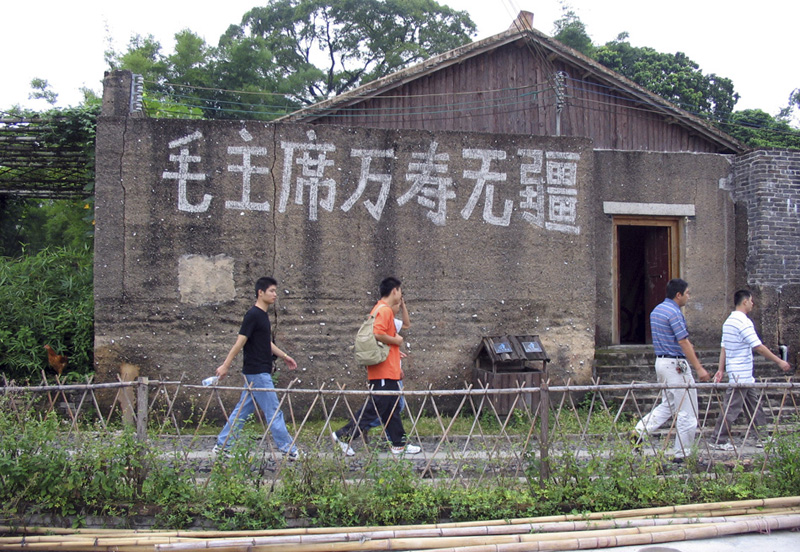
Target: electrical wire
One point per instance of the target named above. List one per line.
(442, 111)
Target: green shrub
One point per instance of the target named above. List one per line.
(46, 299)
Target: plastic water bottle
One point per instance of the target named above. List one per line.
(211, 381)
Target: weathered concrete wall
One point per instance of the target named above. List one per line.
(707, 240)
(490, 234)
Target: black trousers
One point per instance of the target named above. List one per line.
(384, 408)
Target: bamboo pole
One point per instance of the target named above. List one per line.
(669, 535)
(643, 526)
(549, 541)
(756, 506)
(563, 526)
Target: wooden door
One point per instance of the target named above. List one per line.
(646, 257)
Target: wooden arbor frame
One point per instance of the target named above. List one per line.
(37, 160)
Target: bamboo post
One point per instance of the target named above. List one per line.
(142, 402)
(544, 457)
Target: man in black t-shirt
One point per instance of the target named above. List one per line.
(255, 339)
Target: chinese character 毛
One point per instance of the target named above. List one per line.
(183, 176)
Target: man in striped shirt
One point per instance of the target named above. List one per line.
(674, 353)
(739, 340)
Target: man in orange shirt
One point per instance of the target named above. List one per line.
(385, 376)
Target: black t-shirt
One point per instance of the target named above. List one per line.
(258, 347)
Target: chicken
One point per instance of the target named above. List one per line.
(57, 362)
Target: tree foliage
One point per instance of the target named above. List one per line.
(570, 30)
(678, 79)
(758, 129)
(28, 225)
(291, 53)
(47, 299)
(326, 47)
(674, 77)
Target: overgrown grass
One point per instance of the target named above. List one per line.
(44, 468)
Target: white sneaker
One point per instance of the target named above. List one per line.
(408, 449)
(223, 451)
(293, 455)
(346, 448)
(722, 446)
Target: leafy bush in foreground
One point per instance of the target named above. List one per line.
(46, 298)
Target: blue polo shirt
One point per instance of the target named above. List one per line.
(668, 326)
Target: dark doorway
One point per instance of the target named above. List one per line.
(643, 257)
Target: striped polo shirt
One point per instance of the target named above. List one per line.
(739, 338)
(668, 326)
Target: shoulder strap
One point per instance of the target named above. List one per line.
(374, 311)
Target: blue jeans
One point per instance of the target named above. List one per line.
(268, 403)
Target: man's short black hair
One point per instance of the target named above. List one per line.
(265, 282)
(740, 296)
(676, 286)
(387, 285)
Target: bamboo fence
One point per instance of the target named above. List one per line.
(566, 532)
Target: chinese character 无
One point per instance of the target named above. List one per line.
(481, 177)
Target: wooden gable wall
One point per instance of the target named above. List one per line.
(511, 90)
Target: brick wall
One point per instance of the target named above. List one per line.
(766, 189)
(768, 184)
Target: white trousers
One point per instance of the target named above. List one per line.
(682, 402)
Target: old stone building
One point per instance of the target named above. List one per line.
(495, 223)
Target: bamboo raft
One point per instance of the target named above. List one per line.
(565, 532)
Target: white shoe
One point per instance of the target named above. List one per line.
(346, 448)
(722, 446)
(293, 455)
(223, 451)
(408, 449)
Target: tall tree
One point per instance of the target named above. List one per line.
(291, 53)
(674, 77)
(322, 48)
(758, 129)
(570, 30)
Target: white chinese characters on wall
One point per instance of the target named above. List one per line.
(543, 183)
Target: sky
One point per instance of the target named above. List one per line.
(753, 45)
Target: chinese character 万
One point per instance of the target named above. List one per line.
(374, 208)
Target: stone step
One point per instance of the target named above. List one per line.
(621, 365)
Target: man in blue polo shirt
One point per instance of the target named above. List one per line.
(674, 354)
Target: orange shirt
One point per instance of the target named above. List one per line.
(384, 324)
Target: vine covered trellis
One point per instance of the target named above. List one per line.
(48, 155)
